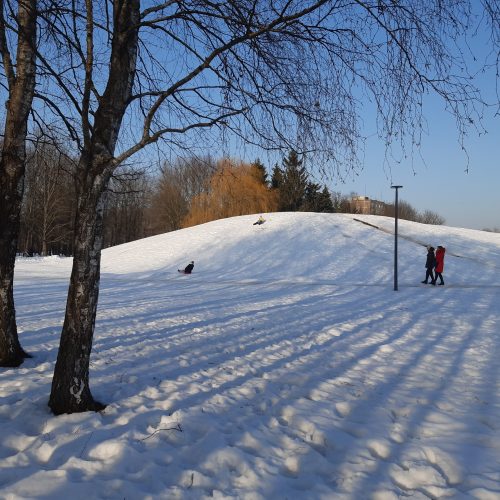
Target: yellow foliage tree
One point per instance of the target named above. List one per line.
(234, 189)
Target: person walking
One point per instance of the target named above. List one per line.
(439, 264)
(430, 264)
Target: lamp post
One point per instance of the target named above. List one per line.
(396, 238)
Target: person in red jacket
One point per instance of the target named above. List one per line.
(439, 264)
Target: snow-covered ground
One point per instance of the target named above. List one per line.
(284, 367)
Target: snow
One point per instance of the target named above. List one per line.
(285, 367)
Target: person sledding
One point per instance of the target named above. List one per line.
(260, 221)
(188, 269)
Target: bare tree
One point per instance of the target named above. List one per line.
(19, 71)
(178, 184)
(168, 205)
(48, 205)
(126, 205)
(406, 211)
(430, 217)
(266, 71)
(234, 189)
(341, 202)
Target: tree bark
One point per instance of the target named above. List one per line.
(11, 352)
(70, 386)
(12, 167)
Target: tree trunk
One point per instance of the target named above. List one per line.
(11, 352)
(12, 168)
(70, 385)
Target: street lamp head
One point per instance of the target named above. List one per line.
(396, 187)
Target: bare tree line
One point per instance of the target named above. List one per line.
(48, 208)
(114, 77)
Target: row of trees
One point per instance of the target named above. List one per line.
(116, 76)
(186, 193)
(48, 206)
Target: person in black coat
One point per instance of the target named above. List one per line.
(188, 268)
(430, 264)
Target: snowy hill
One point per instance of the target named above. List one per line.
(285, 366)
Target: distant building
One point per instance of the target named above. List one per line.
(365, 205)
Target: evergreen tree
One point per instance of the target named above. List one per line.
(325, 203)
(293, 187)
(317, 199)
(311, 198)
(260, 171)
(277, 177)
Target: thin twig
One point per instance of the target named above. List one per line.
(176, 428)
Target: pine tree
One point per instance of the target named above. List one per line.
(277, 177)
(325, 203)
(311, 198)
(293, 187)
(260, 171)
(317, 199)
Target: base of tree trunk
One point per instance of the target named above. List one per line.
(16, 360)
(60, 409)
